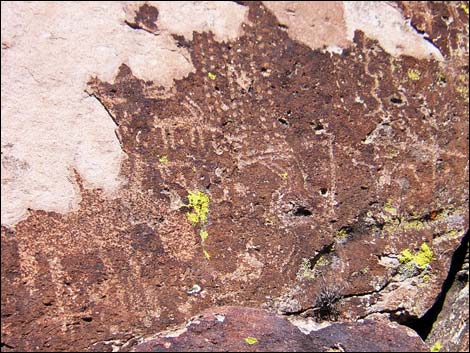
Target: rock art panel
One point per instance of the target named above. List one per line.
(45, 105)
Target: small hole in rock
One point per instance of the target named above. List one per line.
(396, 100)
(301, 211)
(317, 126)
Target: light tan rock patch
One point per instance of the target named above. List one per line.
(331, 24)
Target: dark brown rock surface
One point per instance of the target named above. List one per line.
(321, 169)
(234, 329)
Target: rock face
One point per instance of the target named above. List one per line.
(234, 329)
(450, 331)
(49, 64)
(203, 162)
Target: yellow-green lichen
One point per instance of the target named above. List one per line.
(422, 258)
(464, 7)
(426, 278)
(413, 225)
(441, 79)
(436, 347)
(251, 340)
(284, 176)
(211, 75)
(392, 153)
(414, 74)
(342, 234)
(322, 261)
(309, 271)
(391, 225)
(443, 215)
(204, 235)
(163, 159)
(305, 270)
(452, 234)
(394, 222)
(389, 208)
(463, 91)
(405, 256)
(199, 203)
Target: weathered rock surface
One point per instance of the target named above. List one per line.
(50, 52)
(332, 24)
(235, 329)
(451, 329)
(323, 166)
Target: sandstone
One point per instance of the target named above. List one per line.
(45, 106)
(332, 24)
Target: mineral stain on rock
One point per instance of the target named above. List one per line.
(299, 151)
(145, 18)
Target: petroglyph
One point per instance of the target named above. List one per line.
(66, 127)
